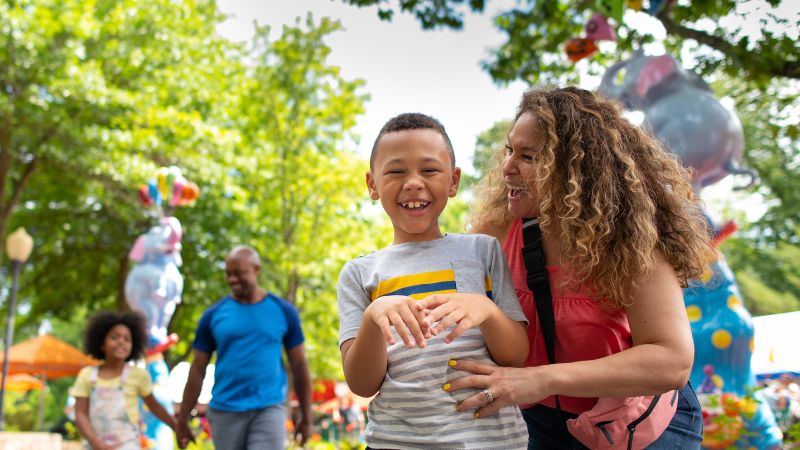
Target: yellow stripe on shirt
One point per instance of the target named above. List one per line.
(418, 286)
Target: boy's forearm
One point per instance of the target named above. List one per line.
(365, 360)
(506, 339)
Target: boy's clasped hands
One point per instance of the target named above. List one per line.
(416, 321)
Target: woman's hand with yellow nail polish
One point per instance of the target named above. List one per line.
(508, 386)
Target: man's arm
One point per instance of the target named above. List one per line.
(194, 383)
(302, 388)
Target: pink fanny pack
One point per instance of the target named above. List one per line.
(630, 423)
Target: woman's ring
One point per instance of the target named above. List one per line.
(487, 394)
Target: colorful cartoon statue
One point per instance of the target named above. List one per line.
(154, 286)
(723, 339)
(682, 111)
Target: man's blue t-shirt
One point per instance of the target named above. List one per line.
(247, 338)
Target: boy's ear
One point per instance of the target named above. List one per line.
(373, 191)
(454, 182)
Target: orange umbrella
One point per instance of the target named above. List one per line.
(47, 356)
(23, 382)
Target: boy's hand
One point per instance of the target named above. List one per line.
(399, 311)
(466, 310)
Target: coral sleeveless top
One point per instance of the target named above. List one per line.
(584, 330)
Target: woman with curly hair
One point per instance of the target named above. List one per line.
(621, 233)
(106, 396)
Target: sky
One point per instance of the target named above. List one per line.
(405, 68)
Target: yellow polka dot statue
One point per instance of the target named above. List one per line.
(723, 340)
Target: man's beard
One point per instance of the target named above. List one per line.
(243, 293)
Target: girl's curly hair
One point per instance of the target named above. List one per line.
(102, 322)
(616, 193)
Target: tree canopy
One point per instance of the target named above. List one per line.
(96, 96)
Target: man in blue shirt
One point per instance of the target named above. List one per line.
(247, 330)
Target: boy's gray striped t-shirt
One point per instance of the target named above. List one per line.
(412, 410)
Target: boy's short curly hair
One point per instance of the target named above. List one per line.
(412, 121)
(102, 322)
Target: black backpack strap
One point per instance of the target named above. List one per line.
(539, 283)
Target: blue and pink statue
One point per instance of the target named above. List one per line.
(154, 287)
(723, 341)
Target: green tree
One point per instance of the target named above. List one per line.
(487, 144)
(126, 87)
(96, 95)
(299, 185)
(765, 253)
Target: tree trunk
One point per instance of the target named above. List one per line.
(291, 287)
(124, 264)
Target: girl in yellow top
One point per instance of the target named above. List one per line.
(106, 396)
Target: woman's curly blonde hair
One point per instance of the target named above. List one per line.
(616, 193)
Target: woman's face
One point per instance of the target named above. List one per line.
(522, 152)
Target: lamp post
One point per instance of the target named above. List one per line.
(18, 246)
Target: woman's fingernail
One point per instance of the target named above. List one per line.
(477, 414)
(452, 363)
(446, 386)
